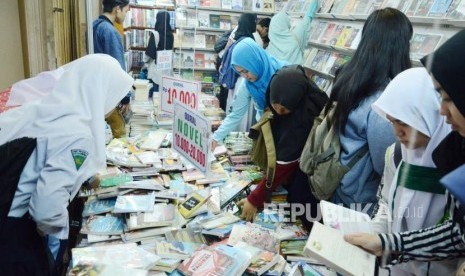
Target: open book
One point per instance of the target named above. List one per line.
(345, 220)
(328, 246)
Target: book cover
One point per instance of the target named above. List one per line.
(254, 235)
(391, 4)
(353, 34)
(430, 44)
(344, 36)
(329, 62)
(439, 8)
(268, 5)
(362, 7)
(325, 6)
(210, 41)
(335, 35)
(261, 260)
(311, 55)
(340, 60)
(116, 255)
(292, 247)
(237, 5)
(291, 231)
(205, 3)
(162, 215)
(207, 261)
(219, 220)
(204, 19)
(225, 22)
(176, 249)
(226, 4)
(192, 19)
(200, 41)
(98, 206)
(103, 225)
(134, 203)
(424, 8)
(318, 31)
(185, 235)
(278, 268)
(328, 246)
(215, 20)
(257, 5)
(215, 3)
(414, 5)
(328, 33)
(456, 10)
(209, 64)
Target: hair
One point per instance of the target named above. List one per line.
(265, 22)
(108, 5)
(383, 52)
(247, 25)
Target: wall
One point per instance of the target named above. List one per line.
(11, 57)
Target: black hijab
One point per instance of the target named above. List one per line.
(291, 88)
(163, 27)
(247, 25)
(448, 68)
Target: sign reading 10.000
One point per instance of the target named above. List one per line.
(177, 90)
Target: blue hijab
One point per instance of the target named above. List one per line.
(250, 56)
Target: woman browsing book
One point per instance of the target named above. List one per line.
(49, 148)
(295, 100)
(411, 196)
(446, 240)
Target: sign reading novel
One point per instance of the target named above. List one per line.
(183, 91)
(191, 133)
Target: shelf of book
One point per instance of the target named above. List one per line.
(148, 7)
(345, 51)
(201, 29)
(225, 10)
(186, 48)
(195, 69)
(138, 28)
(321, 74)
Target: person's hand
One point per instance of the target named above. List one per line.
(369, 242)
(124, 108)
(214, 145)
(248, 209)
(312, 9)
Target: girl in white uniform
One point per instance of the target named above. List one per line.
(411, 196)
(68, 127)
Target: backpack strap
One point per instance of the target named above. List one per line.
(271, 157)
(397, 154)
(358, 155)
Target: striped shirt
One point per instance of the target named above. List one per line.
(440, 242)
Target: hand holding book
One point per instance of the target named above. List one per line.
(369, 242)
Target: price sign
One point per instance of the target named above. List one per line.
(191, 134)
(182, 91)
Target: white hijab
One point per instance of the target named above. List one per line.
(411, 98)
(88, 89)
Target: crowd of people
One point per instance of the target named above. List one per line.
(55, 141)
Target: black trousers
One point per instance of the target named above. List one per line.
(22, 250)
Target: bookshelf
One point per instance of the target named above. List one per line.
(139, 20)
(336, 30)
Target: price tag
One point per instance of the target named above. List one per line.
(178, 90)
(191, 134)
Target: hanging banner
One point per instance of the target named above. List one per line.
(183, 91)
(191, 134)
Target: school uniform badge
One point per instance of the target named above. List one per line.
(79, 157)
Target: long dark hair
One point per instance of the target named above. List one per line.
(246, 26)
(383, 53)
(163, 27)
